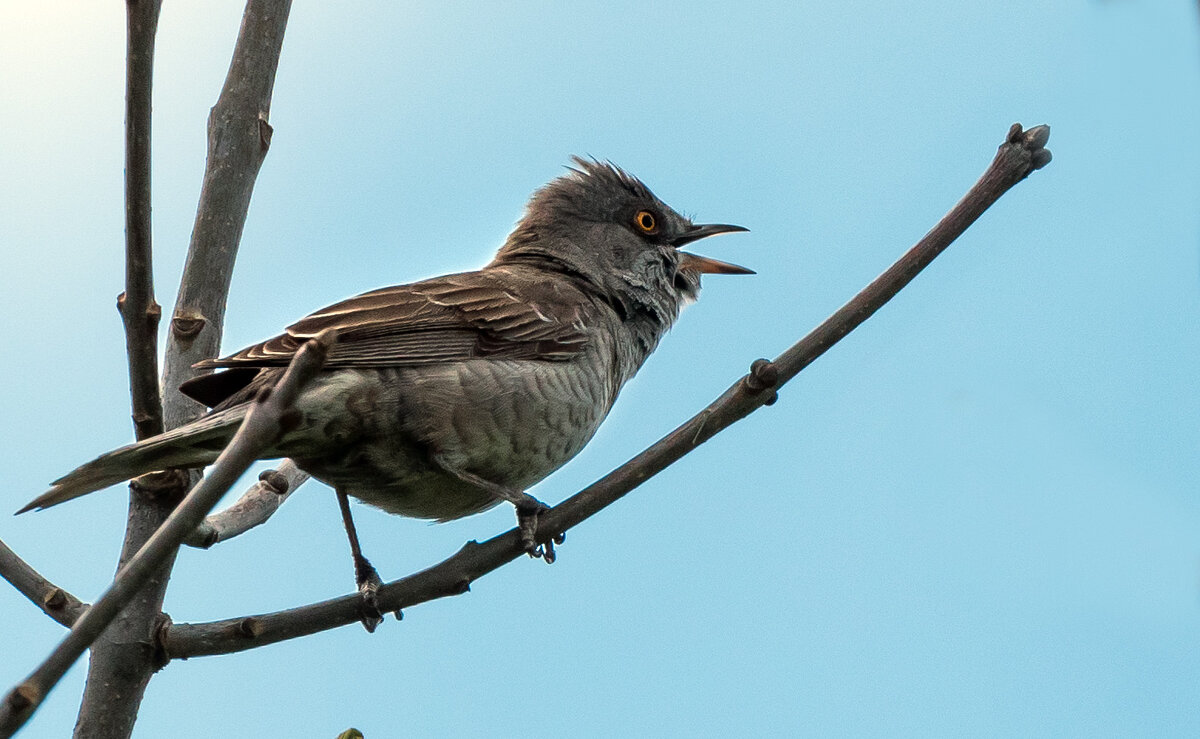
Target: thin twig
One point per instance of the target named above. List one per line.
(255, 506)
(139, 311)
(270, 415)
(55, 602)
(119, 671)
(1022, 153)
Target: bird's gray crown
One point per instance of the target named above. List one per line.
(593, 190)
(584, 223)
(604, 229)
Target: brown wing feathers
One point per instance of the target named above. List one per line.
(444, 319)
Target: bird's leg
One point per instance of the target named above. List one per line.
(365, 575)
(528, 510)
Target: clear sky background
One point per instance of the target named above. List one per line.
(978, 514)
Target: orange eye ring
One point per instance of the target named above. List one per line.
(645, 222)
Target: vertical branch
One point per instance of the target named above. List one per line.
(238, 138)
(122, 659)
(139, 311)
(122, 663)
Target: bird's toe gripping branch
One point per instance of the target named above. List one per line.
(369, 583)
(528, 512)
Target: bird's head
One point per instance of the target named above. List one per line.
(605, 226)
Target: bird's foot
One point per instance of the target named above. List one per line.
(546, 551)
(527, 522)
(528, 510)
(368, 592)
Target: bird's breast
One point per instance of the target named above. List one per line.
(377, 433)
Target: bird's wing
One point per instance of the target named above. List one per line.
(463, 316)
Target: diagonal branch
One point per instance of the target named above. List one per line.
(270, 415)
(255, 506)
(1021, 153)
(55, 602)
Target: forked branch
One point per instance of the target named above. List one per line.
(269, 417)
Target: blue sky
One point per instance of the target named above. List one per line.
(978, 514)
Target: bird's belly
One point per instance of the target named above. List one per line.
(509, 422)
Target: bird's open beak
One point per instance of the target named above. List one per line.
(703, 231)
(704, 265)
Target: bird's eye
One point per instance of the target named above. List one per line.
(645, 222)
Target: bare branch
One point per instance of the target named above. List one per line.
(238, 134)
(55, 602)
(255, 506)
(270, 415)
(1021, 153)
(118, 673)
(238, 138)
(139, 311)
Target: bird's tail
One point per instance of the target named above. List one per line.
(193, 445)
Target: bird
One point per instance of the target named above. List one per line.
(442, 398)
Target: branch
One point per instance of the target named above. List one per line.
(255, 506)
(119, 670)
(55, 602)
(1022, 153)
(139, 311)
(238, 139)
(269, 416)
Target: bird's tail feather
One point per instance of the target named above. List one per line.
(193, 445)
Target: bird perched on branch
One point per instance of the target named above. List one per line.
(444, 397)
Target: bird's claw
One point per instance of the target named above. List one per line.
(527, 521)
(368, 592)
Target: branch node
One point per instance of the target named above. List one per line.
(274, 481)
(764, 375)
(153, 314)
(55, 599)
(462, 585)
(322, 343)
(250, 627)
(187, 326)
(24, 697)
(159, 659)
(204, 537)
(264, 132)
(167, 485)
